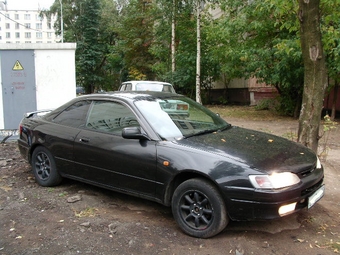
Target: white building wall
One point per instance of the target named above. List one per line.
(26, 26)
(2, 122)
(55, 77)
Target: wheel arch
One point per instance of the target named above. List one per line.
(32, 149)
(182, 177)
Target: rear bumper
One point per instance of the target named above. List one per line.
(24, 149)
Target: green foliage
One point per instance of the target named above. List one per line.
(328, 126)
(263, 104)
(89, 49)
(222, 100)
(260, 39)
(121, 40)
(136, 35)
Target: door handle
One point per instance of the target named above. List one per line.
(84, 140)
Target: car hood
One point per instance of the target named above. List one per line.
(258, 150)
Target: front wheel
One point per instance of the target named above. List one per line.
(44, 168)
(199, 209)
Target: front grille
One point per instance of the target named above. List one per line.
(312, 188)
(306, 172)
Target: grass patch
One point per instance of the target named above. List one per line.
(88, 212)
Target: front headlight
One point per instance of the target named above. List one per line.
(318, 163)
(274, 181)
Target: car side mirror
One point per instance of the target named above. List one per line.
(133, 133)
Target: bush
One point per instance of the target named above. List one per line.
(265, 104)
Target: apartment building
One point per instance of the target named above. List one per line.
(26, 26)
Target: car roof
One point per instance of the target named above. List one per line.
(149, 82)
(131, 95)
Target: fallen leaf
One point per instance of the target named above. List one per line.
(270, 140)
(6, 188)
(223, 140)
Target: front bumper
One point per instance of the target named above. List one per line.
(254, 204)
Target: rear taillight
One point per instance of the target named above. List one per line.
(21, 128)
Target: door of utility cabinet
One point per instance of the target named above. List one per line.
(18, 85)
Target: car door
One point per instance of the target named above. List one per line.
(60, 131)
(104, 157)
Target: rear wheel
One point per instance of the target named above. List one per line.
(44, 168)
(199, 209)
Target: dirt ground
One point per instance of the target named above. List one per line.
(76, 218)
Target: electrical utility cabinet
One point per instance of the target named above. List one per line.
(34, 76)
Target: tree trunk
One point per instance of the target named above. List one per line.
(198, 57)
(173, 37)
(315, 74)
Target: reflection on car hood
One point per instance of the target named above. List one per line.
(259, 150)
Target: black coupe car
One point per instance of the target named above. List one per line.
(207, 170)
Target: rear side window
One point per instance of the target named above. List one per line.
(122, 88)
(110, 117)
(127, 87)
(75, 115)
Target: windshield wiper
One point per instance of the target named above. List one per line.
(202, 132)
(208, 131)
(224, 128)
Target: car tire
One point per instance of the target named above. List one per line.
(199, 209)
(44, 168)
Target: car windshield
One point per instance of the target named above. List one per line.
(154, 87)
(178, 117)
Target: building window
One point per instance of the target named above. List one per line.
(7, 15)
(8, 26)
(27, 16)
(17, 35)
(28, 42)
(8, 35)
(16, 16)
(39, 34)
(49, 26)
(38, 25)
(28, 25)
(49, 35)
(28, 35)
(17, 26)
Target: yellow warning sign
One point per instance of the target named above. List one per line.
(17, 66)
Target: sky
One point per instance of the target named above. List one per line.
(28, 4)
